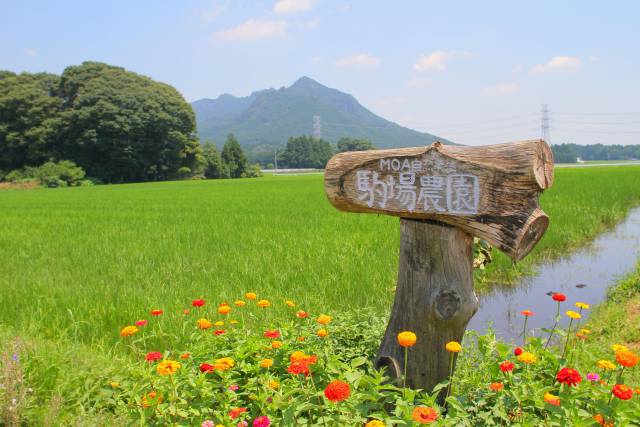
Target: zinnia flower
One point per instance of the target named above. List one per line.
(156, 312)
(276, 344)
(506, 366)
(272, 334)
(568, 376)
(593, 377)
(224, 309)
(185, 355)
(374, 423)
(517, 351)
(407, 339)
(290, 303)
(559, 297)
(573, 314)
(582, 305)
(301, 314)
(453, 347)
(219, 332)
(224, 363)
(424, 415)
(236, 412)
(218, 323)
(273, 384)
(527, 358)
(128, 331)
(297, 368)
(240, 303)
(337, 391)
(617, 347)
(606, 365)
(203, 324)
(322, 333)
(168, 367)
(151, 396)
(263, 303)
(496, 386)
(197, 302)
(262, 421)
(250, 295)
(622, 391)
(527, 313)
(141, 322)
(152, 356)
(206, 368)
(266, 363)
(323, 319)
(627, 358)
(208, 423)
(551, 399)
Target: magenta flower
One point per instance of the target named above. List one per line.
(592, 376)
(262, 421)
(233, 387)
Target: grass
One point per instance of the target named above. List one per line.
(81, 262)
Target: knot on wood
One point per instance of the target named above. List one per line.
(392, 367)
(447, 304)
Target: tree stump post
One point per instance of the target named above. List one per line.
(434, 299)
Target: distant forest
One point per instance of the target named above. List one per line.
(569, 153)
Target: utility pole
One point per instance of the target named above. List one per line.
(317, 127)
(544, 124)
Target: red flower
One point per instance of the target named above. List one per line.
(197, 302)
(568, 376)
(527, 313)
(622, 391)
(219, 332)
(337, 391)
(301, 314)
(424, 415)
(506, 366)
(297, 368)
(272, 334)
(236, 412)
(205, 368)
(141, 322)
(559, 297)
(156, 312)
(152, 356)
(517, 351)
(262, 421)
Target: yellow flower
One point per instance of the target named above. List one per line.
(582, 305)
(266, 363)
(573, 314)
(263, 303)
(527, 358)
(585, 331)
(323, 319)
(407, 339)
(250, 295)
(322, 333)
(273, 384)
(127, 331)
(224, 309)
(276, 344)
(297, 356)
(551, 399)
(224, 363)
(290, 303)
(453, 347)
(233, 322)
(168, 367)
(374, 423)
(606, 365)
(114, 384)
(240, 303)
(218, 323)
(617, 347)
(203, 324)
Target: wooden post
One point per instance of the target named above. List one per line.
(443, 195)
(434, 299)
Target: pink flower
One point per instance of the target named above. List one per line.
(242, 424)
(233, 387)
(592, 376)
(141, 322)
(262, 421)
(208, 423)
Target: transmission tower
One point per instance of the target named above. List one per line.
(544, 124)
(317, 127)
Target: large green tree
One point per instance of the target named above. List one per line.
(117, 125)
(214, 166)
(234, 158)
(353, 144)
(307, 152)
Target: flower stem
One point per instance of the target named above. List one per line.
(566, 343)
(404, 377)
(450, 375)
(555, 324)
(524, 331)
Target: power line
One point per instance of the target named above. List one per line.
(544, 124)
(632, 113)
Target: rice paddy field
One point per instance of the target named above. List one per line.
(80, 262)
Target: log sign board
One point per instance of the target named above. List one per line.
(444, 195)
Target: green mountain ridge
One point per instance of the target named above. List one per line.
(264, 120)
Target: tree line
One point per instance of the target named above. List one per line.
(308, 152)
(569, 153)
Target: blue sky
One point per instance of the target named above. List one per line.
(476, 72)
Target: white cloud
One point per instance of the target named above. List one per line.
(30, 51)
(292, 6)
(253, 29)
(359, 60)
(419, 83)
(216, 8)
(501, 89)
(436, 60)
(558, 63)
(312, 24)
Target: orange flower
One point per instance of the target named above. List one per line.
(453, 347)
(263, 303)
(168, 367)
(407, 339)
(323, 319)
(266, 363)
(301, 314)
(185, 355)
(224, 309)
(527, 313)
(290, 303)
(551, 399)
(154, 397)
(251, 295)
(496, 386)
(273, 384)
(600, 420)
(240, 303)
(322, 333)
(203, 324)
(527, 358)
(424, 415)
(337, 391)
(627, 358)
(128, 331)
(374, 423)
(276, 344)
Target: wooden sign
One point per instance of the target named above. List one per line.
(444, 195)
(490, 192)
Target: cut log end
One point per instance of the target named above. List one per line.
(533, 231)
(543, 165)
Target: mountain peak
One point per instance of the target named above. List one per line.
(305, 81)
